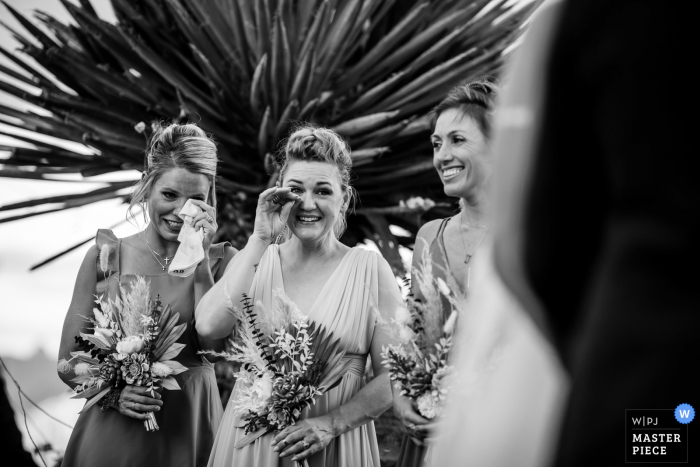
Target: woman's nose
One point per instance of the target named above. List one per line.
(443, 155)
(178, 207)
(307, 201)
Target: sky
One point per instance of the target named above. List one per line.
(33, 304)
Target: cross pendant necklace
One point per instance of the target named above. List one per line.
(155, 255)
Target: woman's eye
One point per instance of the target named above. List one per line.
(457, 140)
(169, 195)
(436, 145)
(323, 192)
(295, 190)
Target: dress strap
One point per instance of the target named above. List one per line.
(108, 246)
(440, 240)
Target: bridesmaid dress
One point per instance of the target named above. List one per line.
(344, 307)
(411, 454)
(189, 417)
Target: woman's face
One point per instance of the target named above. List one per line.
(169, 194)
(318, 186)
(460, 154)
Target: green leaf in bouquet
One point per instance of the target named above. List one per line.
(171, 353)
(88, 392)
(95, 399)
(84, 357)
(250, 437)
(174, 335)
(99, 341)
(177, 367)
(170, 383)
(82, 379)
(166, 328)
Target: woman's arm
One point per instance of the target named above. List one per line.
(81, 305)
(368, 404)
(214, 321)
(203, 283)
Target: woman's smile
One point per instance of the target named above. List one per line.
(451, 172)
(305, 219)
(174, 225)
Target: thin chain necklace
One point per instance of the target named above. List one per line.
(464, 244)
(167, 259)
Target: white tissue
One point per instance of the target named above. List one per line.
(190, 252)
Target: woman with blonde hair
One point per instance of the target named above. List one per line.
(181, 166)
(336, 286)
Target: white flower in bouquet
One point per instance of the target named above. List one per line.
(104, 332)
(402, 316)
(63, 366)
(81, 369)
(101, 318)
(406, 335)
(450, 323)
(428, 405)
(261, 391)
(161, 370)
(130, 344)
(442, 286)
(255, 392)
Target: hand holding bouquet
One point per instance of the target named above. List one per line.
(133, 343)
(287, 362)
(419, 364)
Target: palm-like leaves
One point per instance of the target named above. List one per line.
(245, 71)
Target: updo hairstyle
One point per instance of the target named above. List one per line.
(317, 144)
(475, 99)
(176, 146)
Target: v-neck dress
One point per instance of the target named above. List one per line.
(344, 307)
(189, 417)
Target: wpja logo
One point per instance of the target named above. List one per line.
(658, 435)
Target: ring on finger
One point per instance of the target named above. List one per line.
(210, 219)
(412, 427)
(276, 199)
(305, 444)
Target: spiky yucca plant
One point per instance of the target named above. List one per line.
(246, 71)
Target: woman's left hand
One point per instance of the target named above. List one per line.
(304, 438)
(206, 220)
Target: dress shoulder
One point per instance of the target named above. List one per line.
(107, 251)
(217, 250)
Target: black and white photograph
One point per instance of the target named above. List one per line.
(348, 233)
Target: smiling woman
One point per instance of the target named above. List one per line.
(337, 287)
(181, 167)
(460, 140)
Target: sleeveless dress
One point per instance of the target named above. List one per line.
(344, 307)
(411, 454)
(189, 417)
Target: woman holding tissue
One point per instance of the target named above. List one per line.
(338, 287)
(177, 196)
(460, 139)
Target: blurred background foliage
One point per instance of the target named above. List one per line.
(246, 71)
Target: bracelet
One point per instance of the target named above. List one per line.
(111, 400)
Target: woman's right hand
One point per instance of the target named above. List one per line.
(417, 427)
(137, 401)
(274, 205)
